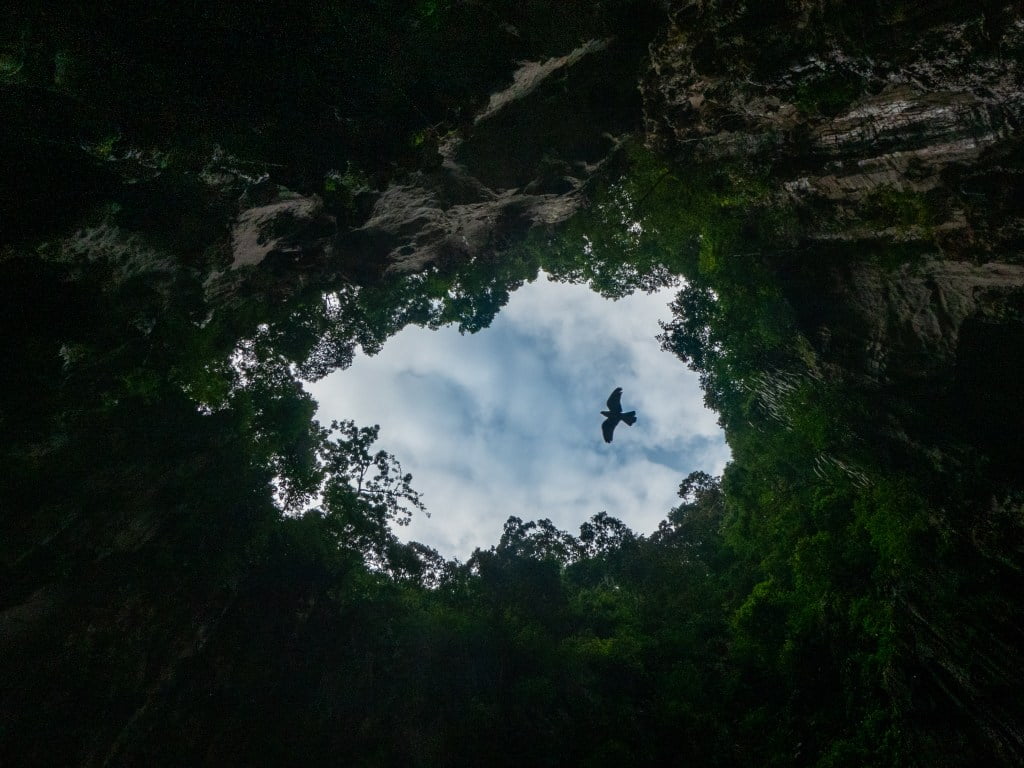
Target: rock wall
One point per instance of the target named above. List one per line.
(898, 131)
(522, 162)
(892, 138)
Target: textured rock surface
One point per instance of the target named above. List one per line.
(255, 233)
(896, 146)
(522, 163)
(872, 147)
(911, 319)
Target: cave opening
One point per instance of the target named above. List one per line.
(505, 422)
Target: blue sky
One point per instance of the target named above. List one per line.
(507, 421)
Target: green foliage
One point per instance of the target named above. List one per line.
(829, 94)
(645, 228)
(760, 624)
(899, 208)
(208, 576)
(364, 492)
(345, 192)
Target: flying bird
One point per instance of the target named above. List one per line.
(615, 415)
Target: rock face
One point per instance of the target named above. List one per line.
(900, 134)
(894, 142)
(521, 163)
(910, 320)
(254, 235)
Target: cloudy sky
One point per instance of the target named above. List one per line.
(507, 421)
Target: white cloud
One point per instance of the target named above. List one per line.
(506, 421)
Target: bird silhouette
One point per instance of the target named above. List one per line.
(615, 415)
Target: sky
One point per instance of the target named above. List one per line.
(507, 421)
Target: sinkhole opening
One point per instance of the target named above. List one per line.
(507, 421)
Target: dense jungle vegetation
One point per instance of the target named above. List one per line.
(195, 571)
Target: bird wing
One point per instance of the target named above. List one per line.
(607, 428)
(615, 401)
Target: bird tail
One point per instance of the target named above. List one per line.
(629, 417)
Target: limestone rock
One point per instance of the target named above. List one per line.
(522, 163)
